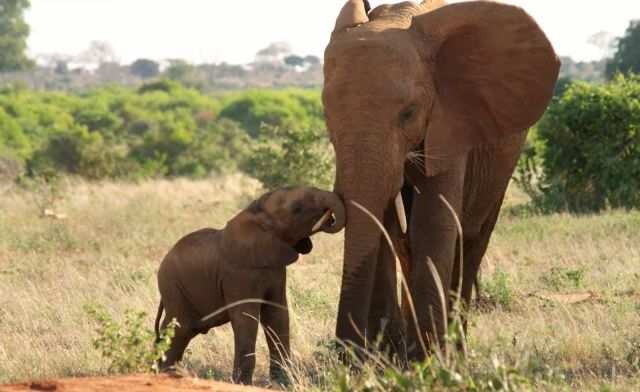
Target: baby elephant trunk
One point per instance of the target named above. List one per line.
(333, 205)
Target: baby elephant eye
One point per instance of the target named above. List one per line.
(408, 114)
(297, 208)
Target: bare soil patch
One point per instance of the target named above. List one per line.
(133, 383)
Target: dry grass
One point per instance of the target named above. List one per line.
(108, 249)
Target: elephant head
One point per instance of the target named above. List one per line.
(277, 227)
(434, 78)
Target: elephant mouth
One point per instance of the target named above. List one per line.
(324, 221)
(303, 246)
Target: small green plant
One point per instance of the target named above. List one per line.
(561, 278)
(46, 190)
(290, 156)
(130, 347)
(498, 289)
(434, 375)
(632, 354)
(448, 369)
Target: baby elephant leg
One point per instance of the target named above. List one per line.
(179, 343)
(275, 322)
(244, 321)
(183, 334)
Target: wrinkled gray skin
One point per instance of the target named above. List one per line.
(210, 269)
(455, 87)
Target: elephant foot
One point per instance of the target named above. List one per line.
(279, 376)
(242, 378)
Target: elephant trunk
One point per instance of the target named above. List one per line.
(335, 206)
(365, 175)
(362, 242)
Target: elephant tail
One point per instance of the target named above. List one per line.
(156, 326)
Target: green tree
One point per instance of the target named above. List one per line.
(180, 70)
(561, 86)
(294, 61)
(590, 148)
(627, 55)
(311, 59)
(13, 36)
(144, 68)
(286, 109)
(282, 157)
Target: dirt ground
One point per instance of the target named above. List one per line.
(134, 383)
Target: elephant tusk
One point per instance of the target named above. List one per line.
(321, 221)
(402, 217)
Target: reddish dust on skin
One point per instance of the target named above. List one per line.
(133, 383)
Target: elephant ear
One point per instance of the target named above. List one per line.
(494, 72)
(352, 14)
(247, 245)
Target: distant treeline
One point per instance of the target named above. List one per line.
(206, 78)
(158, 129)
(584, 154)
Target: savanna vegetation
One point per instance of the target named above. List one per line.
(559, 310)
(164, 129)
(559, 300)
(97, 183)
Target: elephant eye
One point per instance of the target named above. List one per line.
(296, 208)
(408, 114)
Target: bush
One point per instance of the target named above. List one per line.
(129, 347)
(591, 149)
(285, 109)
(499, 289)
(561, 278)
(282, 157)
(11, 167)
(159, 129)
(503, 367)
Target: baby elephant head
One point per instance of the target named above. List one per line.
(275, 229)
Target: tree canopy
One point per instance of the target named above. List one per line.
(627, 56)
(14, 32)
(145, 68)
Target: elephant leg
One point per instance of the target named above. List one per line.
(474, 250)
(433, 235)
(385, 319)
(275, 323)
(183, 335)
(244, 322)
(178, 308)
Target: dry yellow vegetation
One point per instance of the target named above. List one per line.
(112, 236)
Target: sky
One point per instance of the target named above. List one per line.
(234, 30)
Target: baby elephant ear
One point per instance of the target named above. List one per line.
(246, 245)
(494, 72)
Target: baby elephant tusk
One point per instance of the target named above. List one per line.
(402, 218)
(321, 221)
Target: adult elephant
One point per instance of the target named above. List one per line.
(422, 101)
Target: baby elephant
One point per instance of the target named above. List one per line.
(210, 269)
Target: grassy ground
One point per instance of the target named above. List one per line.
(107, 250)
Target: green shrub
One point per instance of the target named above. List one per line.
(498, 289)
(503, 367)
(282, 157)
(76, 152)
(561, 278)
(591, 155)
(11, 166)
(528, 169)
(164, 129)
(284, 109)
(130, 347)
(435, 375)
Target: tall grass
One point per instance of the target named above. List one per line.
(107, 250)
